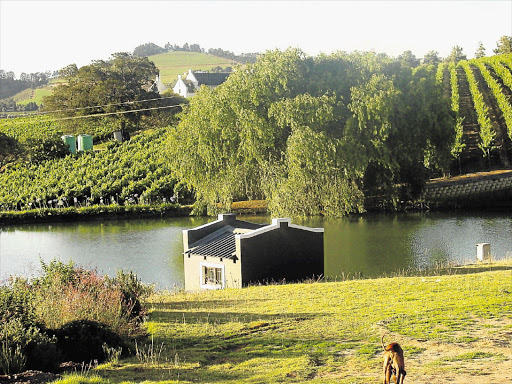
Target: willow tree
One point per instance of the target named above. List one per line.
(304, 133)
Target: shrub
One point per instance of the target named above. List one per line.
(16, 301)
(12, 359)
(86, 297)
(28, 344)
(68, 312)
(85, 340)
(133, 292)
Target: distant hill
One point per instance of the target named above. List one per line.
(172, 64)
(32, 94)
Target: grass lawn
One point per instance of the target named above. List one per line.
(457, 324)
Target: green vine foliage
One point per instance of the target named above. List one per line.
(497, 91)
(487, 133)
(136, 172)
(458, 145)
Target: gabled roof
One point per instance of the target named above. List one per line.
(222, 246)
(190, 86)
(158, 86)
(221, 243)
(211, 78)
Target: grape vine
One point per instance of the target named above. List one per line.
(501, 98)
(131, 173)
(487, 134)
(458, 145)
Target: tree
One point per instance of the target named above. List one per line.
(504, 45)
(309, 134)
(195, 48)
(147, 49)
(480, 52)
(456, 55)
(111, 87)
(408, 58)
(431, 58)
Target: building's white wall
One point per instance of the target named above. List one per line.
(180, 88)
(193, 271)
(192, 78)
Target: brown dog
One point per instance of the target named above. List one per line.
(394, 363)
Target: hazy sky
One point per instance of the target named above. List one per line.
(47, 35)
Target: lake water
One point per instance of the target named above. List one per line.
(370, 245)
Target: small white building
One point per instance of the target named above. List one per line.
(194, 80)
(231, 253)
(158, 85)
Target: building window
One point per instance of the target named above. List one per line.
(212, 276)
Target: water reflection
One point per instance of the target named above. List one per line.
(367, 244)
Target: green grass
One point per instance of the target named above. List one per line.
(172, 64)
(327, 331)
(32, 95)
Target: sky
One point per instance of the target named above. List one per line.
(36, 36)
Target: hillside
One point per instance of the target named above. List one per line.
(30, 94)
(172, 64)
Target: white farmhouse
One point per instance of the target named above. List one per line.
(188, 87)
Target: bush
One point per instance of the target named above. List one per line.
(12, 359)
(68, 313)
(16, 302)
(26, 346)
(84, 340)
(133, 292)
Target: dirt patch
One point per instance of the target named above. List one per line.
(486, 360)
(29, 377)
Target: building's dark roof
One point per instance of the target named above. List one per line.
(221, 243)
(211, 78)
(221, 246)
(190, 86)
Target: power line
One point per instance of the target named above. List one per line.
(95, 106)
(105, 105)
(118, 113)
(107, 113)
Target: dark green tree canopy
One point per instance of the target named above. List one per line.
(431, 58)
(480, 52)
(147, 49)
(109, 87)
(308, 133)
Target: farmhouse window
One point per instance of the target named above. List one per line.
(212, 276)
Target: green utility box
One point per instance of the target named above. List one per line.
(84, 143)
(70, 141)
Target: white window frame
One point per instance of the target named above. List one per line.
(204, 265)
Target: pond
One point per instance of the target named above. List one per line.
(368, 245)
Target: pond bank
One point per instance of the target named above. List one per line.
(115, 212)
(95, 212)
